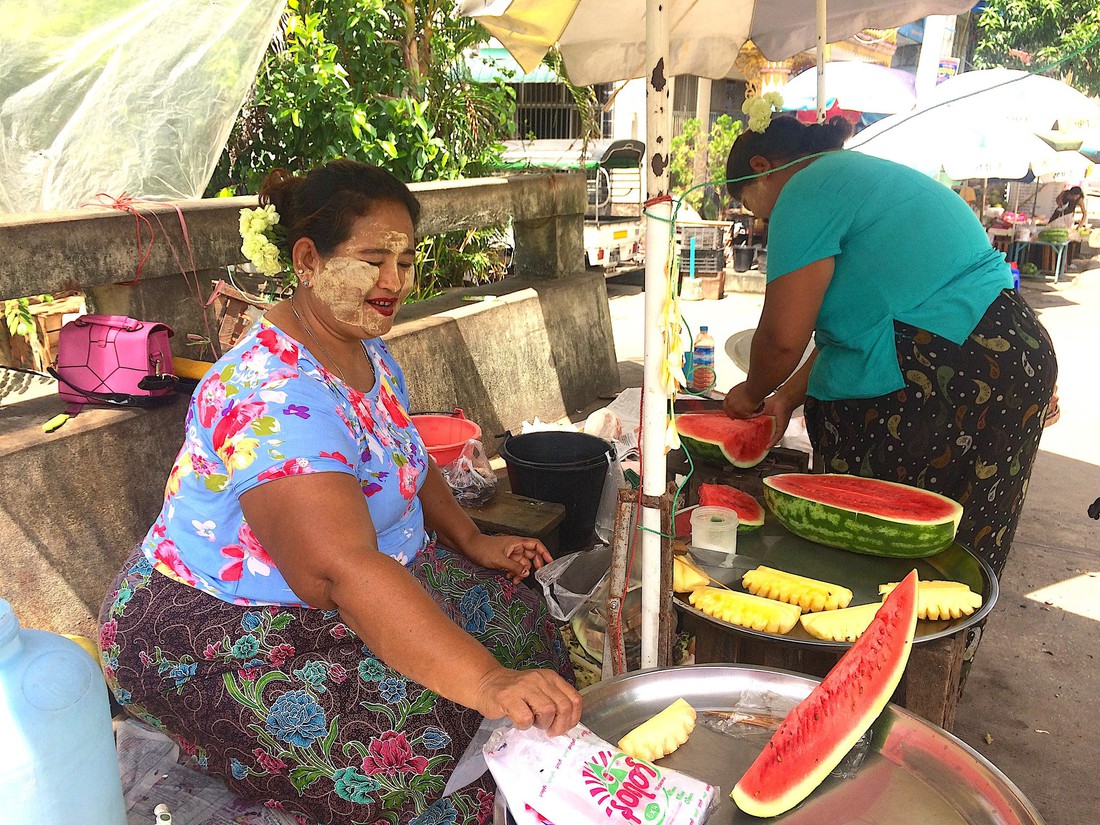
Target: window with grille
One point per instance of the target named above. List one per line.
(547, 110)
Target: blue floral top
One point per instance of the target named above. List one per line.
(268, 409)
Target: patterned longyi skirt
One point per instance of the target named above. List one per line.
(294, 712)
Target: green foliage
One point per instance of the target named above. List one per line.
(685, 147)
(464, 258)
(381, 81)
(1027, 34)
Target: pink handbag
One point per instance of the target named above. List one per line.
(114, 360)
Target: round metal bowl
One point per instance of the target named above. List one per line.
(773, 545)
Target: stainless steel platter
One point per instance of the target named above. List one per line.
(775, 546)
(908, 770)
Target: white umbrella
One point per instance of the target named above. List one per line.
(1032, 101)
(602, 41)
(947, 141)
(859, 87)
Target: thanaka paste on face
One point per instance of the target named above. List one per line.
(343, 286)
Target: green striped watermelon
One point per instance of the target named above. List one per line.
(714, 436)
(750, 515)
(865, 515)
(815, 736)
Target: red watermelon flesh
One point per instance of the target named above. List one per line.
(868, 495)
(821, 729)
(750, 514)
(716, 436)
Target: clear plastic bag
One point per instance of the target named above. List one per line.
(130, 97)
(470, 476)
(571, 581)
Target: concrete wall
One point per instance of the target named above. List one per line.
(74, 502)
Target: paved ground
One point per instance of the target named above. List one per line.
(1032, 704)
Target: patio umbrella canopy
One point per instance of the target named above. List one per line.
(853, 86)
(1032, 101)
(961, 146)
(602, 41)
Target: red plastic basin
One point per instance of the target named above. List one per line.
(445, 434)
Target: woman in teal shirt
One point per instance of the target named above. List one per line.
(929, 368)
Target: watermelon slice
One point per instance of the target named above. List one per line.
(824, 726)
(750, 514)
(714, 436)
(865, 515)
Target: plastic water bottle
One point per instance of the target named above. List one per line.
(58, 764)
(702, 361)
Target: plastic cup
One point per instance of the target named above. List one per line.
(714, 528)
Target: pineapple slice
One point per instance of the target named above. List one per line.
(686, 576)
(746, 610)
(844, 625)
(809, 594)
(662, 734)
(941, 600)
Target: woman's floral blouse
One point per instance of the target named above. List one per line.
(266, 410)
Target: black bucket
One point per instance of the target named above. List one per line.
(742, 258)
(565, 467)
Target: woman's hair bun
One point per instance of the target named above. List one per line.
(278, 189)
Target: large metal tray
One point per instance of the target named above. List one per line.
(911, 771)
(775, 546)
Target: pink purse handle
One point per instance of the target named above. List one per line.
(113, 321)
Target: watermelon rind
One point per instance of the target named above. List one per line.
(835, 525)
(715, 451)
(820, 730)
(750, 512)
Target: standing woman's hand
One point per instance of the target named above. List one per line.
(740, 403)
(515, 555)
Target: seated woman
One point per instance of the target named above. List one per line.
(312, 615)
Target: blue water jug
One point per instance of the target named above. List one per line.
(58, 764)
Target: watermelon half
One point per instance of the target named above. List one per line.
(821, 729)
(714, 436)
(750, 513)
(864, 515)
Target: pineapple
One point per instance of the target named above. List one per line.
(686, 576)
(944, 600)
(746, 610)
(844, 625)
(662, 734)
(809, 594)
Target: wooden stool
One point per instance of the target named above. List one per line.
(509, 514)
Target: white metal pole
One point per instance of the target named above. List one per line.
(657, 236)
(822, 56)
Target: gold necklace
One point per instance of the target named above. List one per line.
(316, 340)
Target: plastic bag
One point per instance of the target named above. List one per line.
(569, 582)
(579, 777)
(470, 476)
(122, 97)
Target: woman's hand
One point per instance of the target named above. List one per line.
(781, 407)
(529, 697)
(740, 403)
(515, 555)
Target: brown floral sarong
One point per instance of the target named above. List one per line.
(293, 711)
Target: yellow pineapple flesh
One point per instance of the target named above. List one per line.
(662, 734)
(844, 625)
(686, 576)
(746, 610)
(809, 594)
(941, 600)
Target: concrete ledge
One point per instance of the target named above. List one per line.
(73, 503)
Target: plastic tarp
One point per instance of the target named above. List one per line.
(121, 96)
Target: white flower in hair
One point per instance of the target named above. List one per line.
(258, 236)
(759, 109)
